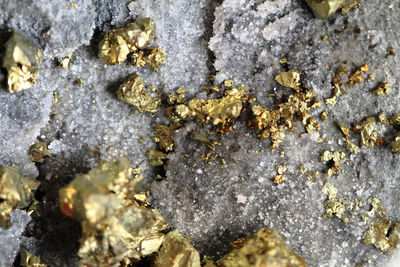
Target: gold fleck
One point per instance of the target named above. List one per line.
(203, 139)
(351, 147)
(280, 177)
(65, 62)
(283, 61)
(324, 115)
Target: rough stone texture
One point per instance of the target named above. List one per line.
(240, 39)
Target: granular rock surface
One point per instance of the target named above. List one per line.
(230, 195)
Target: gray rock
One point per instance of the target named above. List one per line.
(214, 203)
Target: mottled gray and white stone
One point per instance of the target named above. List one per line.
(214, 203)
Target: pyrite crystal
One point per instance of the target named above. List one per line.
(322, 9)
(133, 92)
(16, 192)
(117, 228)
(265, 248)
(21, 60)
(119, 43)
(177, 251)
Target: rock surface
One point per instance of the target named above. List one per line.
(215, 203)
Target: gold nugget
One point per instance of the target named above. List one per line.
(290, 79)
(118, 43)
(322, 9)
(21, 60)
(133, 92)
(154, 57)
(16, 192)
(383, 89)
(163, 136)
(176, 251)
(369, 136)
(396, 144)
(221, 112)
(117, 228)
(264, 248)
(383, 234)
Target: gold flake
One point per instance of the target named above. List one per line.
(383, 89)
(324, 115)
(383, 234)
(163, 136)
(65, 62)
(203, 139)
(283, 61)
(334, 206)
(376, 207)
(133, 92)
(369, 136)
(280, 177)
(290, 79)
(343, 128)
(221, 111)
(21, 60)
